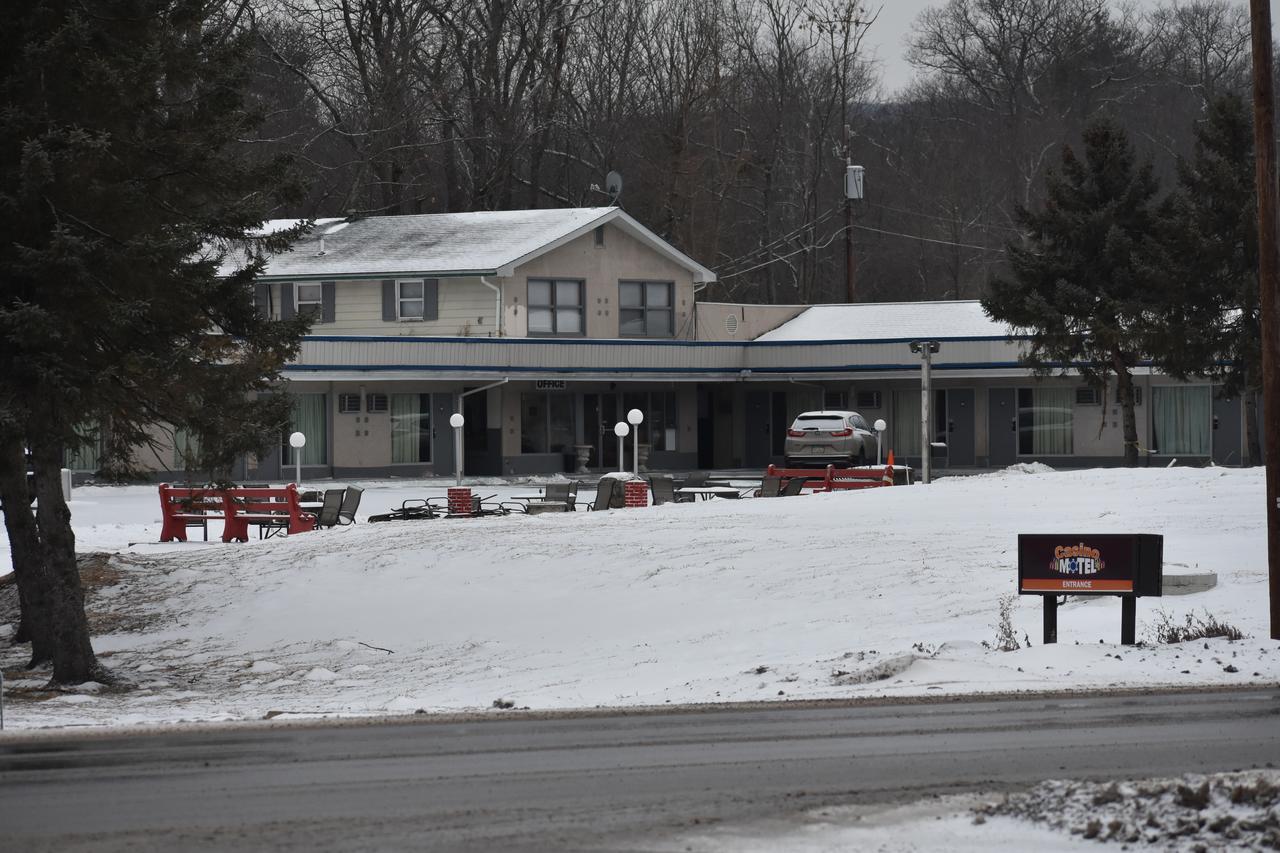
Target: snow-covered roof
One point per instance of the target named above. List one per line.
(878, 320)
(444, 244)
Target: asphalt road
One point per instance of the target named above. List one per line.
(588, 782)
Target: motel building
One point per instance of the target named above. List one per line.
(545, 327)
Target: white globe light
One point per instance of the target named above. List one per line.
(620, 429)
(880, 425)
(297, 440)
(456, 420)
(635, 416)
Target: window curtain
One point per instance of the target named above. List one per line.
(905, 427)
(186, 447)
(1182, 420)
(410, 417)
(309, 419)
(1051, 431)
(84, 457)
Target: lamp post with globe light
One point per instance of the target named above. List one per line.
(880, 426)
(456, 420)
(297, 441)
(635, 417)
(620, 429)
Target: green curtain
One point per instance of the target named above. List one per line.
(1182, 418)
(905, 425)
(309, 418)
(1052, 430)
(409, 417)
(85, 456)
(186, 447)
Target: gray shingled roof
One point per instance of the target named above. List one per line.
(444, 244)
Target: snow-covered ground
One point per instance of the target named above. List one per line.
(885, 592)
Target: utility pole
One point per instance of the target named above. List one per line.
(1264, 147)
(849, 263)
(926, 350)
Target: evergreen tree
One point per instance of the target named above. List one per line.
(1081, 282)
(1210, 238)
(123, 186)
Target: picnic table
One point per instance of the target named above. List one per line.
(706, 493)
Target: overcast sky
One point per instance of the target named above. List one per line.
(886, 37)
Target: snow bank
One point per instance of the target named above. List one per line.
(885, 592)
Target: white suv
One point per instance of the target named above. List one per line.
(818, 439)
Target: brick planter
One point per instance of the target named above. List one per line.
(635, 493)
(459, 501)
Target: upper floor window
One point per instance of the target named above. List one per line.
(411, 300)
(555, 307)
(645, 309)
(309, 298)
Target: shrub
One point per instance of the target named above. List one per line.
(1193, 627)
(1006, 639)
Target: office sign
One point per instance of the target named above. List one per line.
(549, 384)
(1084, 564)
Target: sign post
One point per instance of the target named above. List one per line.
(1128, 565)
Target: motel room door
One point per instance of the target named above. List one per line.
(1002, 426)
(759, 418)
(599, 415)
(1228, 428)
(960, 427)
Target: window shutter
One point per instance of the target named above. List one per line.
(431, 299)
(390, 311)
(262, 300)
(327, 296)
(287, 308)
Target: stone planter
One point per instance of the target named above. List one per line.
(584, 456)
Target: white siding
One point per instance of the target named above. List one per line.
(466, 308)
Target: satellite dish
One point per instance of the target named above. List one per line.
(613, 186)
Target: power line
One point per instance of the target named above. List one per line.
(929, 239)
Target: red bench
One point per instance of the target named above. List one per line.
(269, 508)
(837, 479)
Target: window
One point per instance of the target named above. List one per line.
(410, 427)
(1044, 421)
(904, 423)
(411, 300)
(309, 298)
(658, 429)
(600, 236)
(310, 419)
(868, 400)
(546, 423)
(645, 309)
(186, 450)
(555, 307)
(835, 400)
(1181, 420)
(85, 457)
(348, 403)
(377, 403)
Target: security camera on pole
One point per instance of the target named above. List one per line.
(926, 350)
(297, 441)
(456, 420)
(635, 417)
(620, 429)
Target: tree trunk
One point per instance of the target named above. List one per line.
(35, 624)
(1125, 386)
(73, 658)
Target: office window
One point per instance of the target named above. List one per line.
(658, 430)
(645, 309)
(309, 298)
(410, 300)
(555, 307)
(1044, 421)
(410, 428)
(546, 422)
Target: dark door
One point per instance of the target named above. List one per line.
(960, 426)
(599, 415)
(1227, 428)
(759, 443)
(1002, 426)
(441, 433)
(706, 429)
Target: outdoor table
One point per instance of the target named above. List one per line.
(706, 493)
